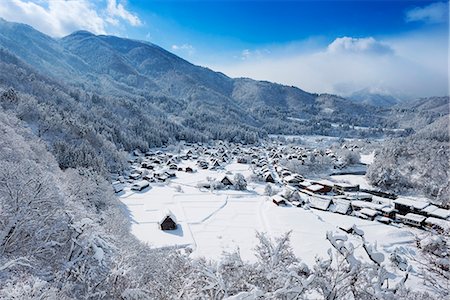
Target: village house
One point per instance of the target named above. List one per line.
(268, 177)
(434, 211)
(118, 187)
(318, 189)
(437, 224)
(345, 187)
(412, 219)
(405, 206)
(341, 206)
(362, 196)
(319, 203)
(278, 200)
(368, 213)
(140, 185)
(167, 221)
(226, 181)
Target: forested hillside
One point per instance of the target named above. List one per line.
(92, 97)
(418, 163)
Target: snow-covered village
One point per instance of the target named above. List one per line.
(211, 198)
(224, 150)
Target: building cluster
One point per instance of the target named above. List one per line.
(268, 165)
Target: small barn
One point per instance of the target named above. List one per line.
(140, 185)
(434, 211)
(345, 187)
(118, 187)
(318, 189)
(167, 221)
(341, 206)
(369, 213)
(319, 203)
(278, 200)
(226, 181)
(413, 219)
(268, 177)
(405, 206)
(437, 224)
(215, 164)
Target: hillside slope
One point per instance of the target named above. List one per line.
(93, 96)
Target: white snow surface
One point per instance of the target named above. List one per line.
(213, 222)
(367, 158)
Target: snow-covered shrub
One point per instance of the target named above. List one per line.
(178, 189)
(239, 181)
(268, 191)
(348, 157)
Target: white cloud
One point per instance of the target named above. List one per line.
(257, 54)
(184, 48)
(358, 45)
(61, 17)
(118, 10)
(433, 13)
(411, 66)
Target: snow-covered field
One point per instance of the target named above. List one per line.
(213, 222)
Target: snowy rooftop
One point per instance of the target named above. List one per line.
(315, 187)
(414, 217)
(435, 211)
(359, 194)
(164, 214)
(319, 203)
(369, 212)
(439, 222)
(340, 206)
(365, 204)
(413, 203)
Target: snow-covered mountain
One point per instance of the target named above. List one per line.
(368, 97)
(116, 67)
(128, 94)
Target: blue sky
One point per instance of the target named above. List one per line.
(396, 47)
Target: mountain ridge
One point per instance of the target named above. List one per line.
(125, 94)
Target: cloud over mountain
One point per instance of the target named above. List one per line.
(359, 45)
(60, 17)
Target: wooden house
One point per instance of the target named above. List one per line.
(363, 196)
(118, 187)
(268, 177)
(170, 174)
(388, 212)
(413, 219)
(345, 187)
(292, 180)
(167, 221)
(226, 181)
(140, 185)
(318, 189)
(319, 203)
(405, 206)
(437, 224)
(278, 200)
(215, 164)
(341, 206)
(434, 211)
(370, 213)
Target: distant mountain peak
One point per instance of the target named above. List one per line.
(81, 33)
(374, 97)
